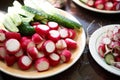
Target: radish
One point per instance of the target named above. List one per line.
(34, 24)
(24, 62)
(19, 53)
(64, 33)
(31, 44)
(13, 35)
(48, 47)
(12, 46)
(42, 64)
(54, 35)
(2, 52)
(10, 60)
(54, 59)
(90, 3)
(53, 25)
(106, 40)
(2, 36)
(72, 33)
(33, 53)
(101, 50)
(36, 38)
(42, 30)
(40, 46)
(61, 44)
(65, 55)
(99, 4)
(108, 6)
(71, 44)
(117, 7)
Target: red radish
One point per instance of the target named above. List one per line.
(108, 6)
(42, 64)
(53, 25)
(2, 52)
(40, 54)
(117, 7)
(64, 33)
(71, 44)
(65, 55)
(54, 59)
(117, 58)
(106, 40)
(36, 38)
(31, 44)
(99, 4)
(53, 35)
(72, 33)
(33, 53)
(48, 47)
(90, 2)
(13, 35)
(10, 60)
(42, 30)
(40, 46)
(101, 50)
(12, 46)
(61, 44)
(2, 36)
(19, 53)
(24, 62)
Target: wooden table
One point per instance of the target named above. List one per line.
(85, 68)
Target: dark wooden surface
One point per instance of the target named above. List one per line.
(85, 68)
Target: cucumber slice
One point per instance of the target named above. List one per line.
(109, 58)
(9, 24)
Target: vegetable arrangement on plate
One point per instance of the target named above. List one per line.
(36, 37)
(110, 5)
(109, 47)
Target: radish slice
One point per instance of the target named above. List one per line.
(2, 36)
(14, 35)
(99, 4)
(12, 45)
(108, 6)
(24, 62)
(61, 44)
(54, 59)
(48, 47)
(71, 44)
(72, 33)
(42, 64)
(65, 55)
(106, 40)
(64, 33)
(53, 35)
(19, 53)
(2, 52)
(36, 38)
(53, 25)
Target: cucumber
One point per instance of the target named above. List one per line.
(9, 24)
(26, 29)
(42, 15)
(109, 58)
(84, 1)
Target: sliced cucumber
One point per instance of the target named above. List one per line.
(109, 58)
(9, 24)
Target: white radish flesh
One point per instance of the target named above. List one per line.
(12, 45)
(2, 36)
(61, 44)
(64, 33)
(53, 25)
(99, 4)
(42, 64)
(108, 6)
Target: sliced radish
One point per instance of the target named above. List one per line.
(106, 40)
(53, 35)
(53, 25)
(24, 62)
(42, 64)
(108, 6)
(61, 44)
(19, 53)
(48, 47)
(54, 59)
(36, 38)
(13, 35)
(33, 53)
(31, 44)
(34, 24)
(42, 30)
(99, 4)
(90, 3)
(10, 60)
(64, 33)
(71, 44)
(40, 46)
(101, 50)
(12, 46)
(65, 55)
(2, 36)
(72, 33)
(2, 52)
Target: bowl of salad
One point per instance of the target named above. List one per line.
(101, 6)
(105, 49)
(38, 41)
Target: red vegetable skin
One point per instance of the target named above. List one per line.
(36, 38)
(53, 25)
(99, 4)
